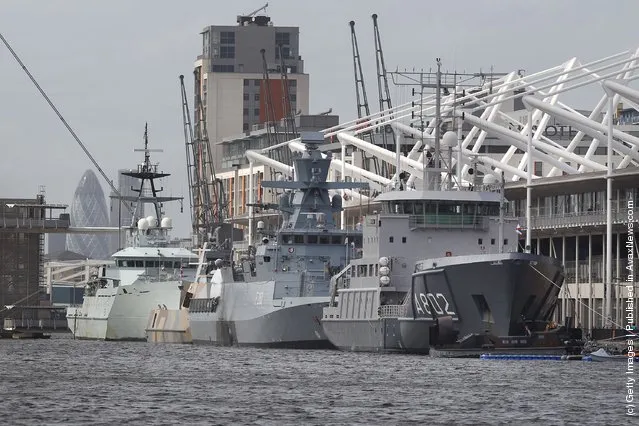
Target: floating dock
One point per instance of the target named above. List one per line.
(537, 357)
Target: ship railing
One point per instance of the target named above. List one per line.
(392, 311)
(588, 218)
(340, 280)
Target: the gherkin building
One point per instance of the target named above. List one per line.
(89, 209)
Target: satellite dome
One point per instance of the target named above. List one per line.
(152, 221)
(383, 261)
(260, 225)
(143, 225)
(449, 139)
(167, 222)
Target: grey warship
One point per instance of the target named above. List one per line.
(441, 270)
(274, 296)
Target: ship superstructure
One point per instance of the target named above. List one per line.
(274, 295)
(438, 266)
(147, 274)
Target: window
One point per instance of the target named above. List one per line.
(267, 258)
(286, 53)
(227, 52)
(492, 241)
(324, 239)
(245, 111)
(257, 97)
(391, 239)
(256, 112)
(292, 70)
(223, 68)
(257, 83)
(505, 241)
(282, 38)
(245, 127)
(292, 83)
(404, 240)
(246, 82)
(312, 239)
(227, 37)
(480, 241)
(537, 170)
(246, 96)
(299, 239)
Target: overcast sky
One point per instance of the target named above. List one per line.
(110, 66)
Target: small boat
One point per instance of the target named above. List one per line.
(602, 355)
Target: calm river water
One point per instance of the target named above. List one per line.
(62, 381)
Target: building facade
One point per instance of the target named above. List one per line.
(230, 91)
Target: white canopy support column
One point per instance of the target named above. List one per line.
(274, 164)
(251, 202)
(608, 283)
(413, 166)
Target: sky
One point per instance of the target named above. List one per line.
(110, 66)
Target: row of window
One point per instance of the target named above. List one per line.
(312, 239)
(480, 241)
(153, 264)
(441, 207)
(370, 270)
(223, 68)
(256, 96)
(257, 83)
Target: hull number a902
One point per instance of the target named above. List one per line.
(439, 303)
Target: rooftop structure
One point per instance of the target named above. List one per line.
(230, 89)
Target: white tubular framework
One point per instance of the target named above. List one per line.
(489, 112)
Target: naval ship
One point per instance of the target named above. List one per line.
(441, 270)
(273, 296)
(147, 274)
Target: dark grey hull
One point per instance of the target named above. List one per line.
(476, 294)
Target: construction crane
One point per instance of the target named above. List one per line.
(289, 114)
(362, 101)
(64, 122)
(270, 112)
(382, 85)
(206, 199)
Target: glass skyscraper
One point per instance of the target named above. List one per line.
(89, 209)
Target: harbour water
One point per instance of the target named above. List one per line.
(72, 382)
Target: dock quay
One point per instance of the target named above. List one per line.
(35, 321)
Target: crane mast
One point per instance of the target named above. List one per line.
(289, 114)
(382, 85)
(204, 194)
(363, 109)
(270, 113)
